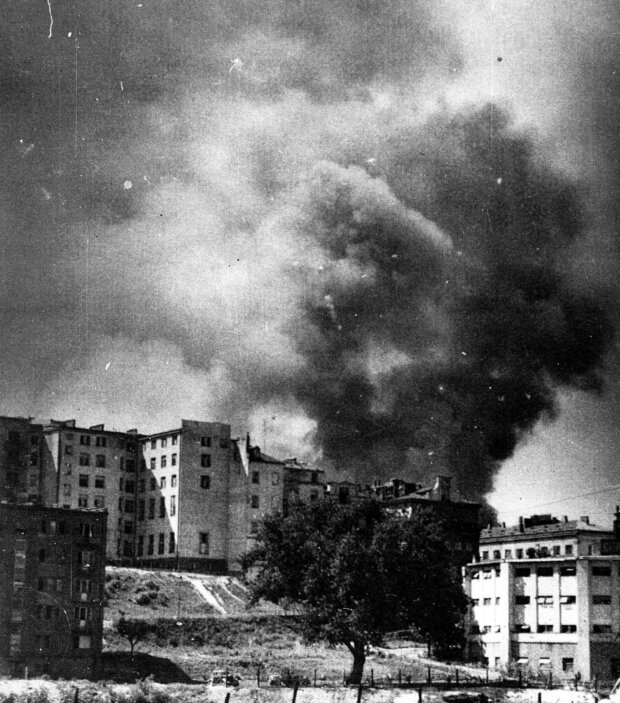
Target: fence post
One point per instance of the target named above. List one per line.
(76, 695)
(227, 699)
(487, 674)
(456, 675)
(539, 696)
(420, 694)
(258, 677)
(295, 691)
(372, 677)
(400, 678)
(359, 693)
(315, 678)
(429, 678)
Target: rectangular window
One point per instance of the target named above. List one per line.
(255, 501)
(164, 442)
(81, 642)
(141, 509)
(153, 483)
(83, 481)
(153, 463)
(544, 600)
(175, 439)
(100, 461)
(130, 506)
(223, 443)
(487, 574)
(161, 543)
(66, 489)
(128, 527)
(121, 483)
(141, 485)
(151, 544)
(163, 462)
(486, 601)
(568, 600)
(173, 460)
(601, 600)
(151, 508)
(205, 460)
(205, 441)
(99, 502)
(162, 507)
(171, 544)
(120, 503)
(130, 486)
(568, 571)
(86, 558)
(556, 550)
(508, 554)
(99, 481)
(153, 444)
(519, 554)
(601, 571)
(82, 501)
(203, 545)
(601, 629)
(173, 506)
(84, 459)
(205, 481)
(255, 477)
(162, 482)
(101, 441)
(69, 450)
(544, 571)
(173, 481)
(130, 465)
(275, 479)
(568, 550)
(497, 554)
(85, 440)
(568, 628)
(140, 550)
(568, 665)
(485, 556)
(475, 602)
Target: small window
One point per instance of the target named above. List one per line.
(568, 600)
(151, 509)
(519, 554)
(101, 441)
(171, 543)
(164, 442)
(174, 439)
(544, 600)
(128, 527)
(487, 574)
(33, 458)
(130, 486)
(153, 484)
(151, 544)
(255, 501)
(163, 461)
(141, 485)
(173, 506)
(100, 461)
(255, 477)
(205, 460)
(567, 571)
(85, 440)
(475, 602)
(203, 545)
(568, 550)
(82, 501)
(153, 463)
(140, 548)
(544, 571)
(130, 465)
(568, 665)
(223, 443)
(99, 481)
(601, 629)
(520, 627)
(99, 501)
(173, 460)
(162, 482)
(486, 601)
(153, 444)
(162, 507)
(497, 554)
(84, 459)
(601, 571)
(69, 450)
(173, 481)
(205, 481)
(508, 554)
(41, 554)
(485, 556)
(568, 628)
(130, 506)
(141, 509)
(275, 479)
(161, 542)
(556, 550)
(601, 600)
(522, 600)
(205, 441)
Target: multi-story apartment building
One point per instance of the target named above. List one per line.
(544, 597)
(302, 484)
(91, 467)
(51, 589)
(20, 460)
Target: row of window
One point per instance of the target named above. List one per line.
(101, 441)
(205, 441)
(546, 600)
(44, 642)
(142, 507)
(275, 478)
(521, 627)
(161, 544)
(83, 499)
(530, 552)
(98, 481)
(525, 571)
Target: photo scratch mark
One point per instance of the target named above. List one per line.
(49, 7)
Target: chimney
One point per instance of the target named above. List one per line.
(585, 518)
(441, 489)
(617, 523)
(521, 526)
(565, 518)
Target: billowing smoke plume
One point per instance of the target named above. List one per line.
(268, 214)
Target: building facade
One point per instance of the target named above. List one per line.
(545, 598)
(51, 590)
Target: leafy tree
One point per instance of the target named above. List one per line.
(358, 573)
(133, 631)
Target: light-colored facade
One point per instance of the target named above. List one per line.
(544, 598)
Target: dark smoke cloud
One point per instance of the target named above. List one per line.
(242, 210)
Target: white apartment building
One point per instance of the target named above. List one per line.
(544, 598)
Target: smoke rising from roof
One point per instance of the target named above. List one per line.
(312, 233)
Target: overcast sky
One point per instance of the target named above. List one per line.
(377, 235)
